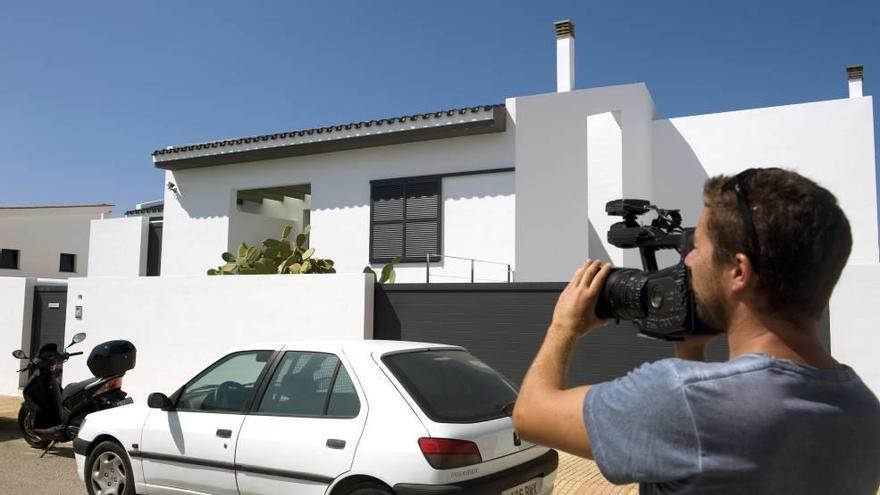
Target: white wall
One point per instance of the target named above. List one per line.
(831, 142)
(478, 223)
(181, 324)
(119, 247)
(197, 220)
(252, 223)
(854, 336)
(16, 308)
(605, 178)
(42, 234)
(553, 189)
(252, 229)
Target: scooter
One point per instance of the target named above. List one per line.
(50, 414)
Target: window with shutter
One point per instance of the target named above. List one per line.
(404, 219)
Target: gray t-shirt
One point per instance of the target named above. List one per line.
(753, 425)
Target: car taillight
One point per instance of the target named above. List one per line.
(445, 453)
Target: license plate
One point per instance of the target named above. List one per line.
(531, 487)
(123, 402)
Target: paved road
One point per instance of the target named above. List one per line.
(24, 473)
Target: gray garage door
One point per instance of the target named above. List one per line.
(504, 324)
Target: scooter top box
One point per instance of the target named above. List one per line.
(112, 358)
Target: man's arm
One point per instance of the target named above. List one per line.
(546, 412)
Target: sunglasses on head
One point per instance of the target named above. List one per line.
(737, 184)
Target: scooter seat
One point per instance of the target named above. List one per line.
(75, 388)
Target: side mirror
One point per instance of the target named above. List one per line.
(77, 339)
(158, 400)
(18, 353)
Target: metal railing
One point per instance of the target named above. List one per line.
(429, 257)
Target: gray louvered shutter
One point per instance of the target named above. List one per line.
(388, 203)
(422, 200)
(387, 240)
(387, 221)
(422, 232)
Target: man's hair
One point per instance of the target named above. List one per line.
(803, 236)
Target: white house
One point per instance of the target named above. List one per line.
(520, 187)
(130, 245)
(47, 241)
(522, 183)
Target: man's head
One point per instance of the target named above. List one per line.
(770, 237)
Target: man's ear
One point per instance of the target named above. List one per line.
(742, 273)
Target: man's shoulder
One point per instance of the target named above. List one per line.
(685, 372)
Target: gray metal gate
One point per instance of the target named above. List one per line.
(504, 324)
(50, 304)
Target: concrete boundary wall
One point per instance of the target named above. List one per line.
(181, 324)
(16, 309)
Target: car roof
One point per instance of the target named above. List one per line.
(348, 346)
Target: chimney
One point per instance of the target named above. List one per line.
(854, 74)
(565, 55)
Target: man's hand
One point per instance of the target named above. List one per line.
(576, 308)
(546, 412)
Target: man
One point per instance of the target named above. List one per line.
(780, 416)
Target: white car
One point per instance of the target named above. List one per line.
(358, 417)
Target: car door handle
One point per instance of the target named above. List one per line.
(224, 433)
(335, 443)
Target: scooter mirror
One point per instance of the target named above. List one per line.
(79, 337)
(18, 353)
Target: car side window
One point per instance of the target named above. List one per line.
(344, 401)
(301, 385)
(226, 385)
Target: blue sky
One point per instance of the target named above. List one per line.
(89, 89)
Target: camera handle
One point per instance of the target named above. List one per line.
(649, 258)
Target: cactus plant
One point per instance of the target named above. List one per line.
(275, 256)
(388, 274)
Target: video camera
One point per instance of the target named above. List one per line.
(660, 303)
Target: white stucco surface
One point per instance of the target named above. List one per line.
(197, 219)
(42, 234)
(119, 247)
(855, 339)
(553, 189)
(478, 223)
(16, 299)
(181, 324)
(831, 142)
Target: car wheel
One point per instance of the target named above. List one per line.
(369, 489)
(26, 425)
(108, 471)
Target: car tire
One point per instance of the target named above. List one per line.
(108, 471)
(368, 488)
(26, 425)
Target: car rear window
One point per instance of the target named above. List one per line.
(452, 386)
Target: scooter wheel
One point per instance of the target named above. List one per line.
(26, 425)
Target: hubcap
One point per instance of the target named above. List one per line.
(108, 474)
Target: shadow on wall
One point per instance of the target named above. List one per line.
(678, 173)
(595, 247)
